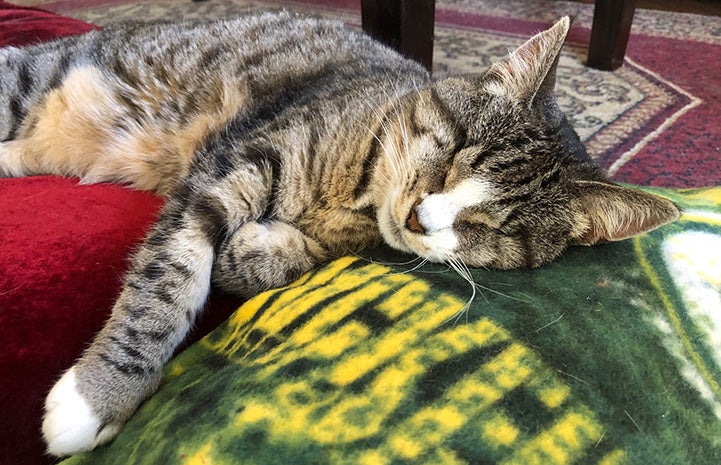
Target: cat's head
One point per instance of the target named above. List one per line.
(486, 170)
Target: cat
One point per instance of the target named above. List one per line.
(279, 142)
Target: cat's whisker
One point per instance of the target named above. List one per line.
(462, 270)
(399, 159)
(384, 263)
(401, 117)
(418, 92)
(378, 139)
(403, 157)
(459, 267)
(264, 153)
(394, 157)
(465, 273)
(435, 271)
(384, 176)
(406, 160)
(502, 294)
(415, 268)
(390, 150)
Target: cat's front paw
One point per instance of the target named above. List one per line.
(70, 426)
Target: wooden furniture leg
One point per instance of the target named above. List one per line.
(609, 35)
(405, 25)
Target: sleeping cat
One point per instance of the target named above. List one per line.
(280, 142)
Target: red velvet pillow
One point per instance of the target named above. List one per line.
(64, 251)
(64, 248)
(23, 25)
(41, 330)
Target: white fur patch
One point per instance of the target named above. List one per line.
(86, 89)
(440, 244)
(70, 426)
(438, 211)
(191, 248)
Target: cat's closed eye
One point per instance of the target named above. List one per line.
(478, 220)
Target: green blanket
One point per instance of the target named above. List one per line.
(610, 355)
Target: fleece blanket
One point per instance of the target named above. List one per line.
(610, 355)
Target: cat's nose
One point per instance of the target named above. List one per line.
(412, 222)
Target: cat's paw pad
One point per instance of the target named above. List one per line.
(70, 426)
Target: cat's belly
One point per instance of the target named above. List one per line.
(86, 128)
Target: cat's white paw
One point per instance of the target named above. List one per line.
(70, 426)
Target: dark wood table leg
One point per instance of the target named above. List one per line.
(405, 25)
(609, 35)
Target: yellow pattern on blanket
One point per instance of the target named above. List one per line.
(422, 334)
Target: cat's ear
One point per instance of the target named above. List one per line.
(528, 73)
(609, 212)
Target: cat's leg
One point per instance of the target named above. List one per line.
(264, 255)
(165, 289)
(167, 285)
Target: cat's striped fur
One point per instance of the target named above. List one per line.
(280, 142)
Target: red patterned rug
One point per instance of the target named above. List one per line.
(655, 121)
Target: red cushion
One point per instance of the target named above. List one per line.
(22, 25)
(64, 251)
(41, 329)
(64, 248)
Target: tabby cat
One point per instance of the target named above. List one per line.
(280, 142)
